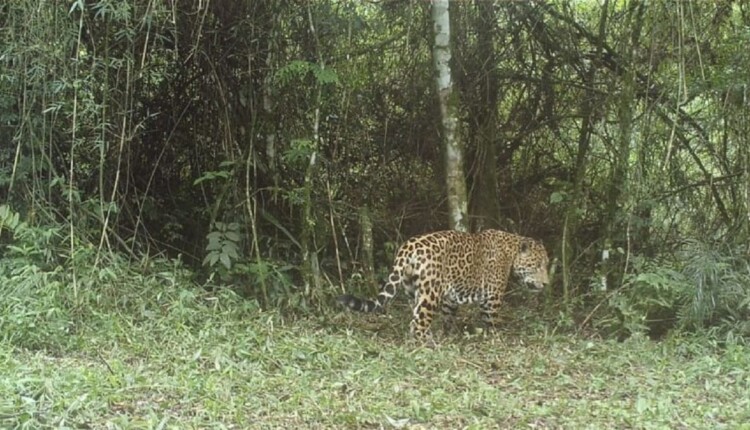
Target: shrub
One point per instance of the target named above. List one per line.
(51, 297)
(703, 288)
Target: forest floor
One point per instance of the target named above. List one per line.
(255, 369)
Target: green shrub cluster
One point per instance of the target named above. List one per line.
(52, 296)
(703, 287)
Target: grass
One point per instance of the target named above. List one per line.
(222, 363)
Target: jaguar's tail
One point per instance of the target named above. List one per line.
(387, 291)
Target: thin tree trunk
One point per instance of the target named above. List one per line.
(485, 205)
(570, 225)
(620, 169)
(311, 267)
(268, 113)
(452, 148)
(368, 256)
(747, 189)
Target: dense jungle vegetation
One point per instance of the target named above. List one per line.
(186, 186)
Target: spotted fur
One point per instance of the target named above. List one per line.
(448, 268)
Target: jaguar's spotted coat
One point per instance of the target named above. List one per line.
(448, 268)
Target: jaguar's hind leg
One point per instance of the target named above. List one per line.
(490, 308)
(426, 302)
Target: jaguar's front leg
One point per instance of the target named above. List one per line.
(448, 311)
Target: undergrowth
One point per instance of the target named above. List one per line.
(54, 298)
(701, 289)
(92, 340)
(212, 364)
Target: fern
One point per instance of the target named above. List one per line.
(721, 286)
(704, 288)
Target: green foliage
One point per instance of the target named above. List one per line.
(126, 112)
(649, 296)
(719, 296)
(299, 152)
(298, 69)
(50, 294)
(223, 245)
(8, 218)
(704, 288)
(277, 278)
(557, 197)
(33, 312)
(49, 308)
(29, 245)
(213, 175)
(264, 279)
(198, 359)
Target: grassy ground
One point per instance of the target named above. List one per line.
(219, 366)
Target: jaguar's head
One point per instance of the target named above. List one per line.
(531, 264)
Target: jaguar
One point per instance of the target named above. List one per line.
(445, 269)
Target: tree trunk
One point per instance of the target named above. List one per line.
(485, 205)
(620, 168)
(484, 193)
(576, 202)
(311, 267)
(452, 148)
(368, 255)
(747, 189)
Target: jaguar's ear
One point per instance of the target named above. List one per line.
(525, 246)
